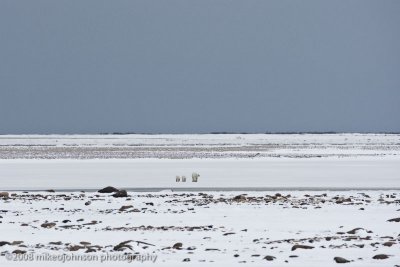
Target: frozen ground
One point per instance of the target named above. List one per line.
(339, 173)
(215, 228)
(260, 220)
(198, 146)
(235, 161)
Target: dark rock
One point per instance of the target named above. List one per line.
(177, 245)
(48, 225)
(269, 258)
(239, 198)
(394, 220)
(354, 231)
(108, 189)
(58, 243)
(17, 251)
(2, 243)
(88, 203)
(75, 248)
(230, 233)
(380, 257)
(123, 208)
(186, 259)
(120, 193)
(66, 221)
(340, 260)
(123, 245)
(301, 247)
(89, 250)
(50, 191)
(388, 244)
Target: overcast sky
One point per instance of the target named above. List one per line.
(92, 66)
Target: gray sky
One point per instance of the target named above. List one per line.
(74, 66)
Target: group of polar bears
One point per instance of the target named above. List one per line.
(195, 178)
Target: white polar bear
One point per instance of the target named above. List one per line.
(177, 178)
(184, 178)
(195, 177)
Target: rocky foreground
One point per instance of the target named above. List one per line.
(270, 228)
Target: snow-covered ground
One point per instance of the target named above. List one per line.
(357, 172)
(238, 161)
(198, 146)
(257, 196)
(215, 228)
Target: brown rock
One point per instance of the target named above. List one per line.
(123, 208)
(340, 260)
(380, 257)
(108, 189)
(269, 258)
(301, 247)
(48, 225)
(75, 248)
(239, 198)
(120, 193)
(177, 245)
(388, 244)
(18, 251)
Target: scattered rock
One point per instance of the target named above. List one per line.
(354, 231)
(269, 258)
(48, 225)
(108, 189)
(239, 198)
(50, 191)
(340, 260)
(388, 244)
(177, 245)
(88, 203)
(123, 245)
(18, 251)
(186, 259)
(394, 220)
(230, 233)
(2, 243)
(380, 257)
(120, 193)
(301, 247)
(123, 208)
(75, 248)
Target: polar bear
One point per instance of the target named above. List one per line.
(177, 178)
(195, 177)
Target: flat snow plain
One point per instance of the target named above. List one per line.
(223, 161)
(332, 192)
